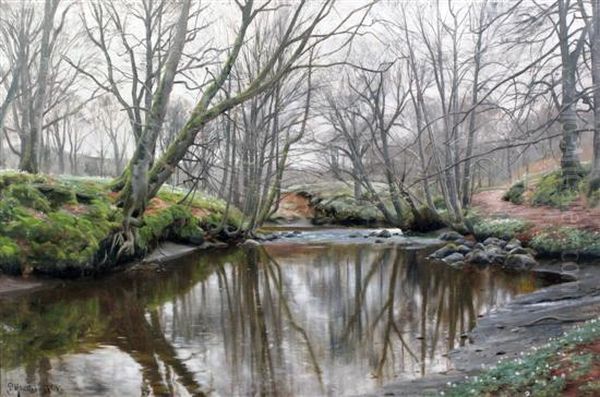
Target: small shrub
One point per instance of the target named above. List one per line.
(515, 193)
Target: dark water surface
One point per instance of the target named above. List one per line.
(303, 317)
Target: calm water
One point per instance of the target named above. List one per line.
(305, 317)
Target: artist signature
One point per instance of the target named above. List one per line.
(19, 389)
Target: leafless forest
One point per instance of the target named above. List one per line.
(431, 99)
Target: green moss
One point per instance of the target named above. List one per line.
(555, 242)
(28, 196)
(65, 226)
(57, 194)
(213, 207)
(534, 373)
(515, 193)
(174, 223)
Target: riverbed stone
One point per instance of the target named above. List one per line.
(250, 243)
(444, 251)
(496, 253)
(458, 265)
(520, 262)
(354, 235)
(494, 241)
(384, 234)
(512, 244)
(519, 251)
(451, 236)
(463, 249)
(454, 258)
(478, 257)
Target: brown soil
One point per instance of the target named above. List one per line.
(576, 215)
(155, 205)
(294, 206)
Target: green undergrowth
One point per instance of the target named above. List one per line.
(63, 225)
(567, 241)
(544, 371)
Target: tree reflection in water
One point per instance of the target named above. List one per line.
(285, 320)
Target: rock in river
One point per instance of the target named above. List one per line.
(444, 251)
(494, 241)
(454, 258)
(478, 257)
(384, 234)
(520, 262)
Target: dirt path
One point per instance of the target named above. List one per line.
(577, 215)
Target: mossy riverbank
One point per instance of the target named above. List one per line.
(70, 227)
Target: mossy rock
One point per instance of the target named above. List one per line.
(428, 220)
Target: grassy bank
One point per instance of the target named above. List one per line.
(70, 226)
(566, 365)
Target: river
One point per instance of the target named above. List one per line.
(317, 314)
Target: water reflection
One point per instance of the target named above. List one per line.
(289, 320)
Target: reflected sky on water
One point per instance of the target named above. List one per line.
(292, 319)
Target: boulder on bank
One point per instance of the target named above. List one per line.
(520, 262)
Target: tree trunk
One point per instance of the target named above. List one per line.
(595, 40)
(30, 153)
(568, 117)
